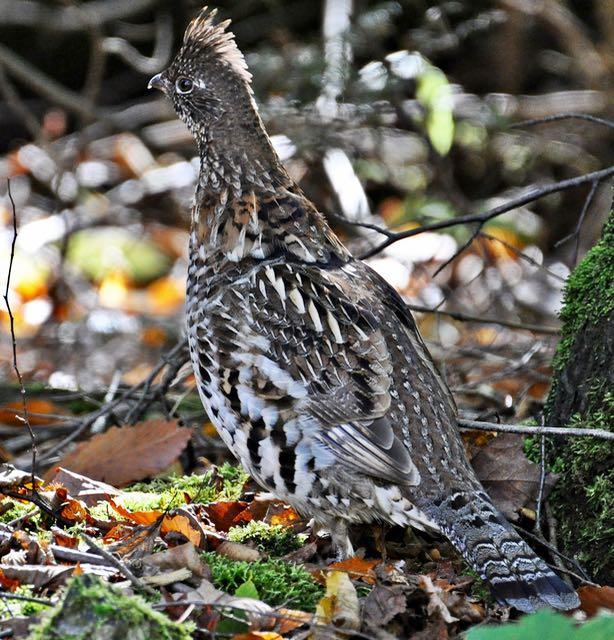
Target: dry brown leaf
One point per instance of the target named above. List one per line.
(593, 599)
(181, 524)
(383, 604)
(238, 551)
(81, 487)
(183, 556)
(512, 481)
(224, 513)
(128, 454)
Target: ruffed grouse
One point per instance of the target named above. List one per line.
(308, 363)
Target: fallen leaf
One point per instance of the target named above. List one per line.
(283, 515)
(383, 604)
(357, 568)
(593, 599)
(79, 486)
(62, 539)
(138, 517)
(339, 606)
(181, 524)
(436, 606)
(127, 454)
(238, 551)
(38, 413)
(512, 481)
(74, 511)
(183, 556)
(222, 514)
(10, 584)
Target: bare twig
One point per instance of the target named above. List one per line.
(480, 219)
(46, 86)
(535, 431)
(132, 56)
(70, 18)
(118, 564)
(22, 389)
(576, 232)
(464, 317)
(542, 482)
(16, 596)
(563, 116)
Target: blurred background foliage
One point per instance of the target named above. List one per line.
(390, 112)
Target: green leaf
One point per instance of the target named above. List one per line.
(547, 625)
(435, 95)
(247, 590)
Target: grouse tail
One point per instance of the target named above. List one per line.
(516, 576)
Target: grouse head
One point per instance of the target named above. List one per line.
(209, 85)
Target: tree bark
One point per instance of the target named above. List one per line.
(582, 394)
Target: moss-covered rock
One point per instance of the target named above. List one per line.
(275, 540)
(582, 394)
(277, 582)
(92, 608)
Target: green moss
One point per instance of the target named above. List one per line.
(18, 510)
(584, 494)
(580, 304)
(275, 540)
(277, 582)
(21, 607)
(92, 608)
(582, 500)
(224, 483)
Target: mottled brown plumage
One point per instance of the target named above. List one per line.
(308, 363)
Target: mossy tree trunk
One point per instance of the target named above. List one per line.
(582, 394)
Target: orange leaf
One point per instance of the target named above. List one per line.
(139, 517)
(64, 540)
(285, 517)
(593, 599)
(181, 525)
(356, 568)
(12, 412)
(223, 514)
(74, 511)
(118, 532)
(124, 455)
(291, 619)
(8, 583)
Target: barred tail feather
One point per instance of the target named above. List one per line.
(516, 575)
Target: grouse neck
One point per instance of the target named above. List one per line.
(238, 160)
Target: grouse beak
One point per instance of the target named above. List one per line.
(157, 82)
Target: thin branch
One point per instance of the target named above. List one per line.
(563, 116)
(542, 481)
(118, 564)
(132, 56)
(42, 84)
(22, 389)
(471, 425)
(71, 18)
(521, 255)
(576, 233)
(16, 596)
(481, 219)
(464, 317)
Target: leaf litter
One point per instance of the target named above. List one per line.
(213, 555)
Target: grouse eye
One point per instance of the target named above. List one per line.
(184, 85)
